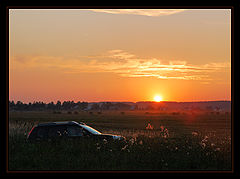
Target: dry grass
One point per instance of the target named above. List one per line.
(173, 142)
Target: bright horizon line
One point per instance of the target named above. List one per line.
(123, 101)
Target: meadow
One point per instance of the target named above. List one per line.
(155, 141)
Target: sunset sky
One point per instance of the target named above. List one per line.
(119, 54)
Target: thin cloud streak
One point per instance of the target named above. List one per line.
(138, 67)
(143, 12)
(124, 64)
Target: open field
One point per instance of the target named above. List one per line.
(178, 141)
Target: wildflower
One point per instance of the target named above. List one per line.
(204, 140)
(124, 147)
(164, 132)
(149, 127)
(98, 148)
(104, 141)
(132, 140)
(194, 133)
(203, 144)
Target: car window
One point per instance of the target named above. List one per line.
(42, 132)
(57, 131)
(74, 131)
(91, 130)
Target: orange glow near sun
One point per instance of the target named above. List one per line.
(157, 98)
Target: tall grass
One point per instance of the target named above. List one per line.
(163, 147)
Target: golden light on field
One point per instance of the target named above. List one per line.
(157, 98)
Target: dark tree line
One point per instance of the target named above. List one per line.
(38, 105)
(110, 106)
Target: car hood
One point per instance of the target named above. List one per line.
(111, 136)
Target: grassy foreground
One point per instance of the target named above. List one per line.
(177, 141)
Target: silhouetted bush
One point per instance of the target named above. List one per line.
(57, 112)
(175, 113)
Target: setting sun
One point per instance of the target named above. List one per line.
(157, 98)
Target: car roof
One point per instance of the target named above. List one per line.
(60, 123)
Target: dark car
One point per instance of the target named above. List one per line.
(68, 129)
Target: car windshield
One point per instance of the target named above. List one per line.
(91, 130)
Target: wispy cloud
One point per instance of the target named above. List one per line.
(124, 64)
(129, 65)
(143, 12)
